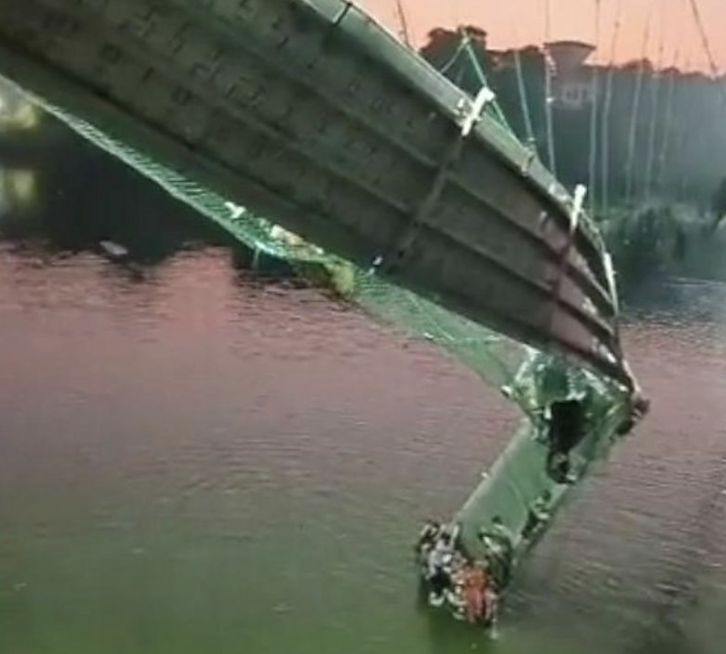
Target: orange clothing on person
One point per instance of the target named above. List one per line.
(475, 583)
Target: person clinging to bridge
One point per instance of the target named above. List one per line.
(557, 405)
(537, 516)
(427, 537)
(499, 543)
(566, 427)
(439, 562)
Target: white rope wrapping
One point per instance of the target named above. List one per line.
(485, 96)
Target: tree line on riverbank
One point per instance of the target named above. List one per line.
(658, 129)
(647, 141)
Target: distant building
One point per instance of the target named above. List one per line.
(572, 86)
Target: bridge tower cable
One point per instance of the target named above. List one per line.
(668, 111)
(607, 111)
(714, 71)
(655, 87)
(403, 23)
(683, 138)
(523, 97)
(594, 117)
(454, 59)
(633, 131)
(706, 44)
(482, 79)
(667, 120)
(549, 99)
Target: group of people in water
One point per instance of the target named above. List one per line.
(453, 578)
(561, 412)
(471, 587)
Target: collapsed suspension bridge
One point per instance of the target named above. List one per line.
(417, 198)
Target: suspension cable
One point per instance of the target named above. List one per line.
(476, 65)
(630, 163)
(655, 96)
(523, 96)
(549, 69)
(524, 101)
(668, 112)
(454, 58)
(594, 117)
(668, 119)
(707, 49)
(682, 138)
(403, 23)
(607, 110)
(704, 38)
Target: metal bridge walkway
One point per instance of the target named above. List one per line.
(310, 113)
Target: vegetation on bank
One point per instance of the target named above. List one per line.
(665, 239)
(646, 141)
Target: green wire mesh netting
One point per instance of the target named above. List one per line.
(493, 357)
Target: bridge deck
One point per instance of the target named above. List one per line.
(310, 113)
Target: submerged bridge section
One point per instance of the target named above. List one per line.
(310, 113)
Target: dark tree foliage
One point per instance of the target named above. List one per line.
(718, 202)
(658, 131)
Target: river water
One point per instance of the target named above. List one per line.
(194, 461)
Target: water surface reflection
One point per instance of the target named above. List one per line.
(197, 460)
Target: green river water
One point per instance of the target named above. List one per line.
(192, 461)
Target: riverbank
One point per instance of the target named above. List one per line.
(662, 239)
